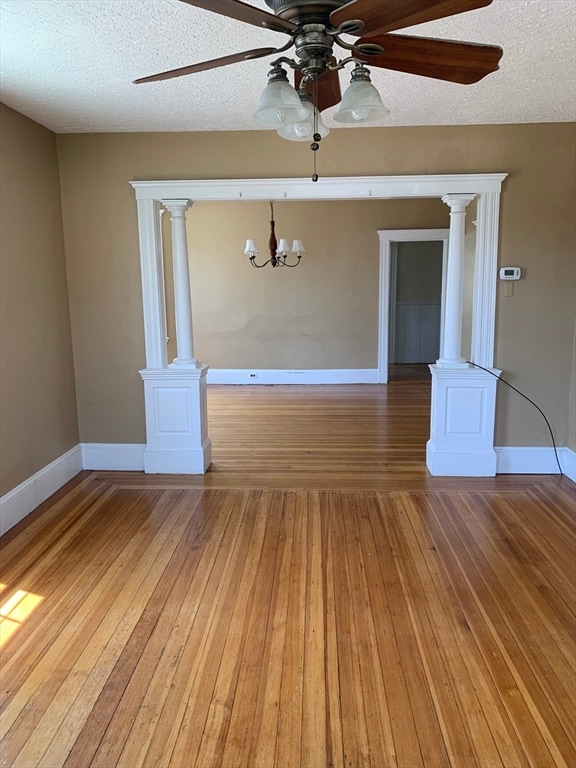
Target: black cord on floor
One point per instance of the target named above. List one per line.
(530, 401)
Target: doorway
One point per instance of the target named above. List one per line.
(415, 309)
(413, 332)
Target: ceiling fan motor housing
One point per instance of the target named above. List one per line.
(314, 48)
(305, 11)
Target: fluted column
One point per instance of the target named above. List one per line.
(451, 354)
(182, 298)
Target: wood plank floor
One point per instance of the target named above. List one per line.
(315, 600)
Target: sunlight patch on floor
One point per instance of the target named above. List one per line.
(15, 611)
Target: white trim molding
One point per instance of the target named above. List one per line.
(388, 237)
(280, 376)
(152, 274)
(127, 457)
(23, 499)
(485, 279)
(530, 460)
(327, 188)
(509, 460)
(568, 462)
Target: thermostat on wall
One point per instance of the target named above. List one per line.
(510, 273)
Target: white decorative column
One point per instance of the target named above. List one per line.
(451, 354)
(177, 439)
(182, 297)
(463, 403)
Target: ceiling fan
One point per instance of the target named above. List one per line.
(315, 26)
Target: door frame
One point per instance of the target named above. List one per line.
(388, 239)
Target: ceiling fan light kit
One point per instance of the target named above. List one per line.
(361, 101)
(304, 129)
(279, 102)
(315, 27)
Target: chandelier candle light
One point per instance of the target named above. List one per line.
(279, 251)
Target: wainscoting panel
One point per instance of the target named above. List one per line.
(417, 331)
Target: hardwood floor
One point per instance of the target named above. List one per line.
(315, 600)
(408, 372)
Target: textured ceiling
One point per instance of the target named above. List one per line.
(69, 65)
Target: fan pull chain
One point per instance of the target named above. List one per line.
(315, 146)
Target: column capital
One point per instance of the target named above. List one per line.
(458, 202)
(177, 207)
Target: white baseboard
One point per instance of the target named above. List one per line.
(535, 461)
(568, 462)
(280, 376)
(178, 461)
(23, 499)
(460, 463)
(114, 456)
(509, 460)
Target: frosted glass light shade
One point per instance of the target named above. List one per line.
(304, 129)
(279, 104)
(251, 247)
(361, 102)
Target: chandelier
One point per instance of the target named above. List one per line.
(279, 251)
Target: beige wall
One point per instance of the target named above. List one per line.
(535, 326)
(37, 397)
(324, 314)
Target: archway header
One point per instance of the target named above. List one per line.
(330, 188)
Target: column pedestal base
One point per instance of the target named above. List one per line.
(177, 439)
(462, 423)
(184, 462)
(452, 364)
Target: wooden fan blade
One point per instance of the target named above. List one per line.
(448, 60)
(328, 90)
(387, 15)
(234, 9)
(234, 58)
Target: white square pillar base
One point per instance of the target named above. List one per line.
(462, 417)
(177, 439)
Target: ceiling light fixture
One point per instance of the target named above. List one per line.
(293, 112)
(361, 101)
(314, 28)
(279, 251)
(303, 130)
